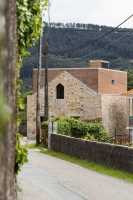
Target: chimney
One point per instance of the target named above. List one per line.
(99, 64)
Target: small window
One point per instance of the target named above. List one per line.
(113, 82)
(60, 91)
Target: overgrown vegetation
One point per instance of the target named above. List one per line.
(86, 130)
(29, 21)
(21, 154)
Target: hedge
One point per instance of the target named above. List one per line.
(79, 129)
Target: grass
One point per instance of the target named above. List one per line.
(102, 169)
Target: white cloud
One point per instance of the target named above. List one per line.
(108, 12)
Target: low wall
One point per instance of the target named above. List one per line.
(116, 156)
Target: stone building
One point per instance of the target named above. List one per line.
(130, 101)
(89, 93)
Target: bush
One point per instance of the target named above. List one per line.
(79, 129)
(44, 138)
(21, 154)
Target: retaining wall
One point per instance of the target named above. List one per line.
(116, 156)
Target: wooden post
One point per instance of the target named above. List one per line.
(45, 53)
(38, 117)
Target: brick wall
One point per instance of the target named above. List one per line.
(86, 75)
(99, 79)
(120, 157)
(112, 81)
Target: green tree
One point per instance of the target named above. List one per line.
(29, 25)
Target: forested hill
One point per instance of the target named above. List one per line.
(72, 45)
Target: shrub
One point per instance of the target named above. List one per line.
(64, 126)
(21, 154)
(44, 138)
(79, 129)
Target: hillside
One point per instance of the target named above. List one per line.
(72, 45)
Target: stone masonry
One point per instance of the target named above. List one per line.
(83, 101)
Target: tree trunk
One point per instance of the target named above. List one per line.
(8, 82)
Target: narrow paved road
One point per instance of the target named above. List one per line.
(49, 178)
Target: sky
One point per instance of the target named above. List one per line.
(101, 12)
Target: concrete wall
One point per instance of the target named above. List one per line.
(115, 113)
(108, 154)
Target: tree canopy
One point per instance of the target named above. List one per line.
(29, 18)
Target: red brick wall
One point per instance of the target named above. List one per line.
(99, 80)
(86, 75)
(105, 85)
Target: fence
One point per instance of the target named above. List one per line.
(116, 156)
(123, 139)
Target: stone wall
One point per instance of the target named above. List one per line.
(116, 156)
(79, 100)
(115, 113)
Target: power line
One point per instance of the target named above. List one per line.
(108, 33)
(114, 29)
(102, 36)
(38, 108)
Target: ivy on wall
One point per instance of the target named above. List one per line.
(29, 21)
(29, 17)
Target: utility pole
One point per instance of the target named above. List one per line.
(38, 120)
(46, 82)
(45, 131)
(46, 104)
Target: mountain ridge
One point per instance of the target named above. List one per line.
(73, 47)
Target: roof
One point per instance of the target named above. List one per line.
(81, 68)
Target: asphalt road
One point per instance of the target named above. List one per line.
(49, 178)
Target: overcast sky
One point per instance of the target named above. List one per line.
(102, 12)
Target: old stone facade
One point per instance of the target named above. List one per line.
(130, 100)
(88, 93)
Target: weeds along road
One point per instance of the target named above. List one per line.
(49, 178)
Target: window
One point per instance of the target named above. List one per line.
(60, 91)
(113, 82)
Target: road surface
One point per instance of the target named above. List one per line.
(49, 178)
